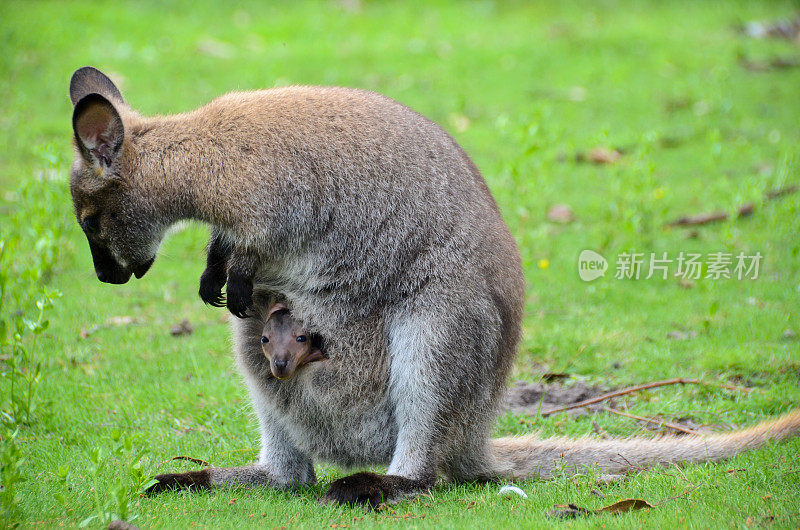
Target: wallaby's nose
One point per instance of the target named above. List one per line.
(280, 368)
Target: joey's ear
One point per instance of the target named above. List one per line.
(275, 308)
(98, 129)
(88, 80)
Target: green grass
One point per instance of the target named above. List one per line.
(523, 88)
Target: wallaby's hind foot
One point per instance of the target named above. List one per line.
(256, 475)
(371, 490)
(190, 480)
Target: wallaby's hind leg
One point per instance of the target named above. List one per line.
(414, 394)
(280, 466)
(434, 396)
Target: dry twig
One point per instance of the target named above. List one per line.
(680, 495)
(188, 458)
(719, 215)
(598, 399)
(653, 421)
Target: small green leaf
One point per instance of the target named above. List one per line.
(87, 521)
(62, 472)
(148, 484)
(41, 327)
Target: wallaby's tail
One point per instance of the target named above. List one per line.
(532, 457)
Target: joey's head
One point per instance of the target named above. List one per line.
(111, 205)
(285, 343)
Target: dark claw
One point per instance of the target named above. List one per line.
(211, 283)
(218, 301)
(191, 480)
(240, 294)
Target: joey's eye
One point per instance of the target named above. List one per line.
(264, 340)
(301, 338)
(91, 225)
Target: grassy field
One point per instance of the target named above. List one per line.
(102, 396)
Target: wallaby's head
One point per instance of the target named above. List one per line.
(115, 214)
(285, 342)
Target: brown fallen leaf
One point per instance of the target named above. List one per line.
(570, 511)
(549, 377)
(604, 155)
(184, 327)
(681, 335)
(774, 63)
(560, 213)
(625, 505)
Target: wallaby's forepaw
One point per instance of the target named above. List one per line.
(211, 283)
(240, 294)
(371, 490)
(191, 480)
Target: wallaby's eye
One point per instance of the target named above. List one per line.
(264, 340)
(301, 338)
(91, 225)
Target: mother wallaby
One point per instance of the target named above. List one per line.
(382, 236)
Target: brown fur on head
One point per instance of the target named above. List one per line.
(121, 222)
(286, 343)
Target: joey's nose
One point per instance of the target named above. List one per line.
(280, 368)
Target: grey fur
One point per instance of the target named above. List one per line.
(383, 237)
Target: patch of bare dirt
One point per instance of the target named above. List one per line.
(532, 398)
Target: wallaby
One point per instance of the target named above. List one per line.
(286, 344)
(382, 236)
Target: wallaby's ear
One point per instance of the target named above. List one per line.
(275, 308)
(98, 130)
(89, 80)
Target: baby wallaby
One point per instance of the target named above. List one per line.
(286, 343)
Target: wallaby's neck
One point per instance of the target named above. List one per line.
(187, 170)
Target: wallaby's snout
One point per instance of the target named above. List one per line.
(282, 366)
(106, 267)
(109, 270)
